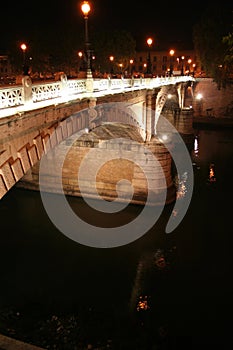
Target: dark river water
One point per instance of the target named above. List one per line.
(162, 291)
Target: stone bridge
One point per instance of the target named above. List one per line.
(28, 131)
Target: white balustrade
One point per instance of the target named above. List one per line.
(48, 93)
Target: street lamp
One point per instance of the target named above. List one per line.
(86, 8)
(171, 61)
(182, 66)
(25, 68)
(121, 68)
(189, 63)
(149, 43)
(111, 59)
(194, 68)
(131, 66)
(80, 61)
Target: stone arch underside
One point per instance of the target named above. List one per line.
(14, 166)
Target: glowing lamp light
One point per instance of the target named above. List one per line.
(149, 41)
(86, 8)
(23, 47)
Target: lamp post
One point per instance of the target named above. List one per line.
(171, 52)
(194, 68)
(182, 66)
(25, 68)
(86, 8)
(131, 66)
(80, 61)
(149, 43)
(111, 59)
(121, 68)
(189, 65)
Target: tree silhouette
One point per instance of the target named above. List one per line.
(212, 50)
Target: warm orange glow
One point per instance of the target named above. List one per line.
(131, 61)
(212, 177)
(111, 58)
(143, 303)
(23, 47)
(86, 8)
(149, 41)
(171, 52)
(80, 54)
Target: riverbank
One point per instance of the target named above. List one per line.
(212, 122)
(7, 343)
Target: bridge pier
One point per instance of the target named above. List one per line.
(183, 121)
(150, 113)
(116, 159)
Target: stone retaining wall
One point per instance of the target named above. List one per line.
(214, 102)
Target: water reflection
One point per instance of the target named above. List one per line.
(196, 146)
(212, 177)
(181, 189)
(151, 267)
(151, 288)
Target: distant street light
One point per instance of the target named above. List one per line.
(199, 98)
(171, 61)
(111, 59)
(149, 43)
(182, 66)
(25, 67)
(189, 65)
(194, 68)
(121, 68)
(86, 8)
(131, 66)
(80, 62)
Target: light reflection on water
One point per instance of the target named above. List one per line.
(185, 275)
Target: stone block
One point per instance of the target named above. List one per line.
(23, 155)
(3, 189)
(7, 175)
(39, 146)
(33, 155)
(17, 169)
(46, 143)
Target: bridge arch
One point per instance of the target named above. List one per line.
(19, 151)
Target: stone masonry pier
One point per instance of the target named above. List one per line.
(115, 145)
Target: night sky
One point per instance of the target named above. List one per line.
(168, 23)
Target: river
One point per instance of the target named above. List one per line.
(59, 294)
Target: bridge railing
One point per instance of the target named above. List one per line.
(28, 95)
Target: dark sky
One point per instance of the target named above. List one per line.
(167, 22)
